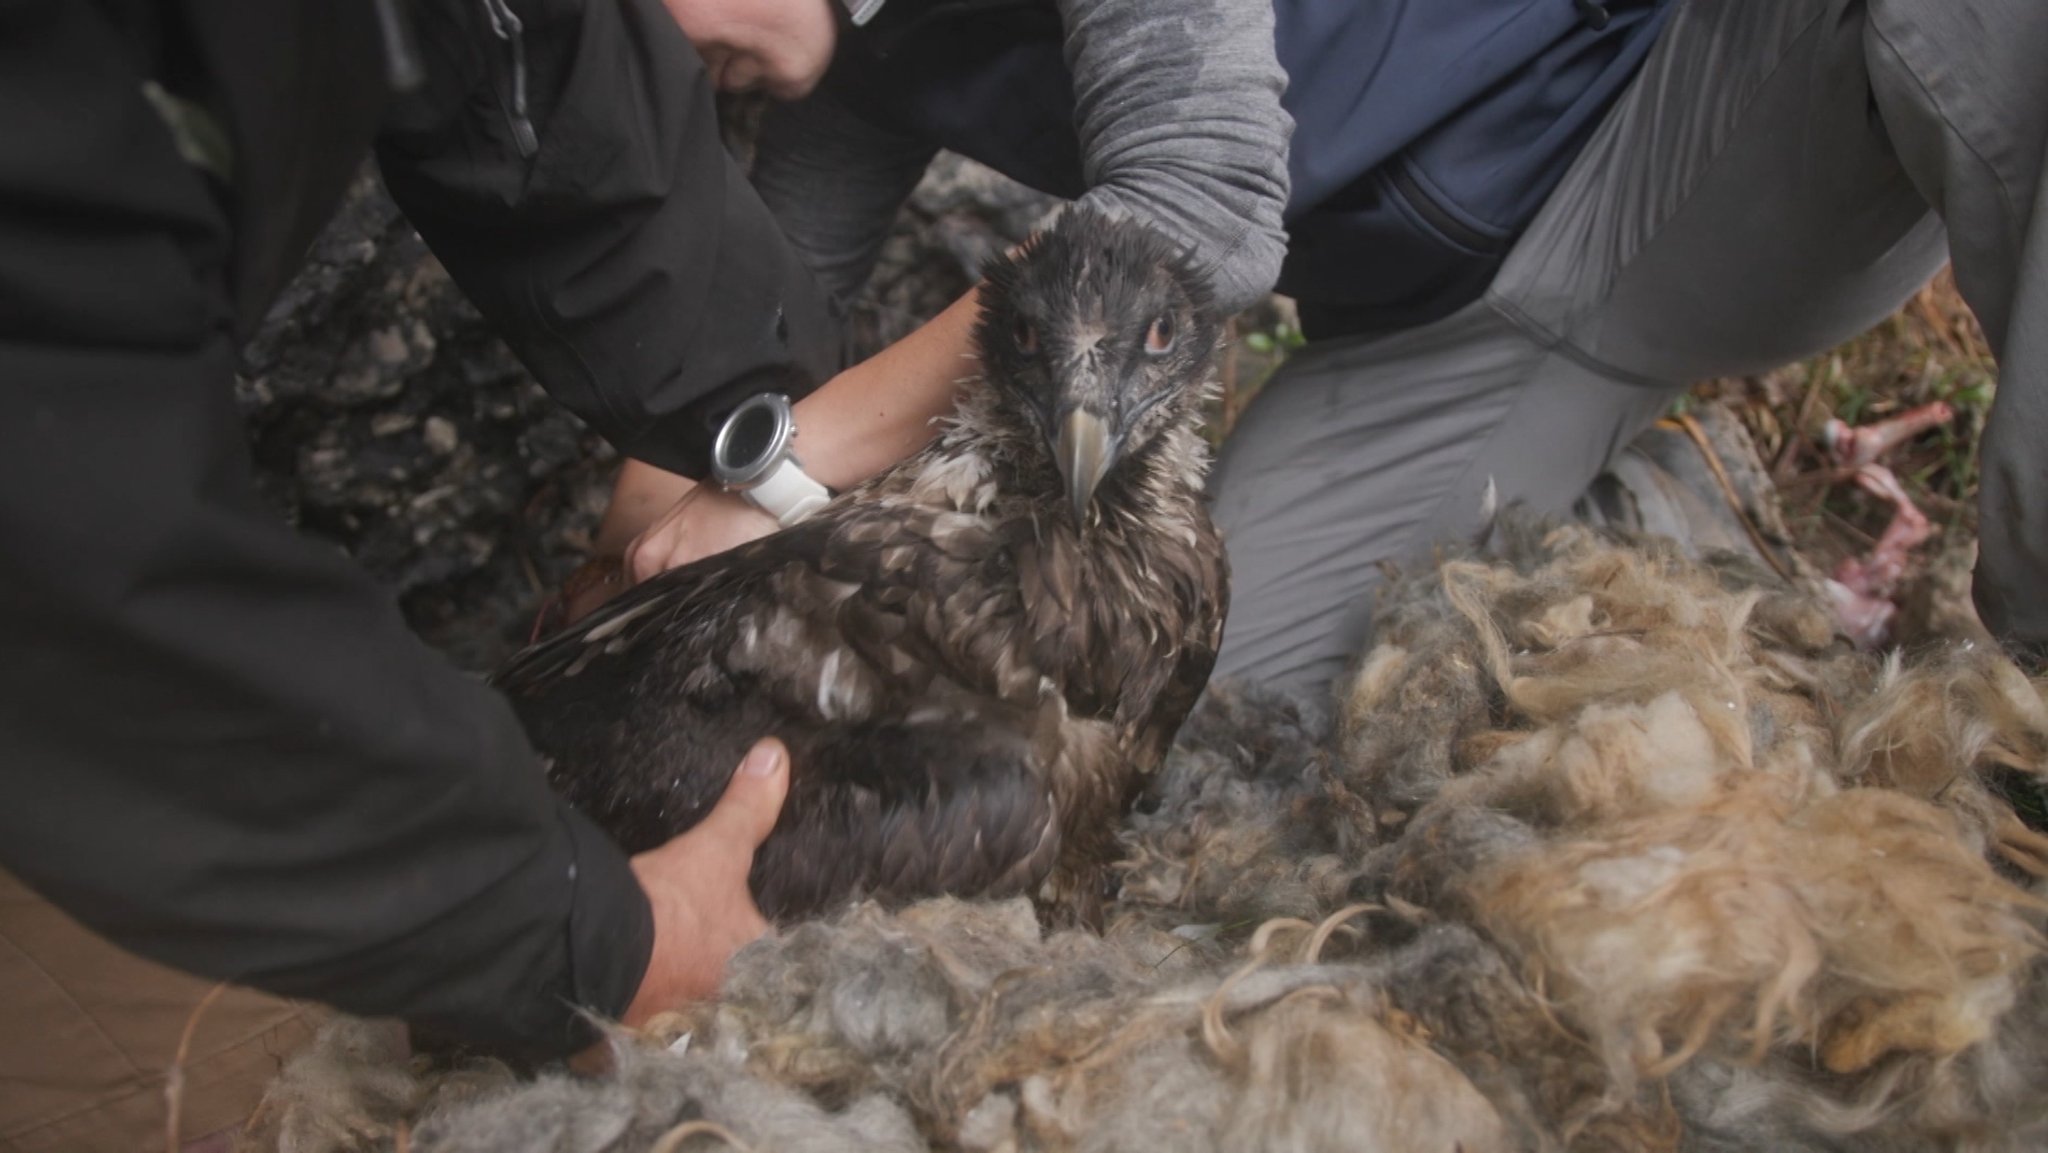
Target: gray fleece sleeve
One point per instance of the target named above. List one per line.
(1178, 110)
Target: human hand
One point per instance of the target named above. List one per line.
(705, 521)
(640, 494)
(697, 886)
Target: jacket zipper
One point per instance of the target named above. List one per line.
(506, 26)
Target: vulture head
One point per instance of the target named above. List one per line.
(1098, 335)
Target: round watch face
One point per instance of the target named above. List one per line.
(754, 440)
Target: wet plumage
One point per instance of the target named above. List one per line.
(974, 657)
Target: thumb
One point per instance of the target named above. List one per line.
(753, 800)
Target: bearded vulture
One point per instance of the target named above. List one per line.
(974, 657)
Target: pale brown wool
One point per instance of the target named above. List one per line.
(1609, 851)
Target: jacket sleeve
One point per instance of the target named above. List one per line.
(219, 744)
(1180, 125)
(564, 162)
(817, 143)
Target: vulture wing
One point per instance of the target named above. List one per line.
(882, 641)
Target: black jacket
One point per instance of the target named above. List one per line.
(219, 743)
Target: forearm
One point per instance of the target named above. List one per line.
(221, 745)
(882, 410)
(227, 751)
(1181, 126)
(627, 262)
(858, 424)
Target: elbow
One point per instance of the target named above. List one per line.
(1245, 274)
(1235, 240)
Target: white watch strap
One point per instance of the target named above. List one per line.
(789, 494)
(862, 11)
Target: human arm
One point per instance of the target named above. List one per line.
(222, 746)
(858, 424)
(1180, 124)
(625, 260)
(863, 420)
(696, 886)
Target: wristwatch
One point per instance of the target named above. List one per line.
(752, 457)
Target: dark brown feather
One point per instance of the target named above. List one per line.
(971, 681)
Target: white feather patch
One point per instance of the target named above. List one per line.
(618, 623)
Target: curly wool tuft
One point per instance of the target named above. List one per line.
(1606, 849)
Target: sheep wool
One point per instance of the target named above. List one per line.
(1601, 848)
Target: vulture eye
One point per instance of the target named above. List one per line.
(1159, 337)
(1026, 336)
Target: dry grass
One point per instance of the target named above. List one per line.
(1930, 350)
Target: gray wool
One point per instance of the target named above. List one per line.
(652, 1094)
(1606, 850)
(349, 1090)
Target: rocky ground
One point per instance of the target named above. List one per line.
(385, 417)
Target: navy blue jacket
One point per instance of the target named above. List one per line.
(1428, 133)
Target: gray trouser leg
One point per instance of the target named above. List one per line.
(1963, 89)
(1740, 207)
(1364, 452)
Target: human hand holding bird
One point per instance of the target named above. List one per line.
(696, 886)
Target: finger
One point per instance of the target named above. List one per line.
(647, 555)
(629, 559)
(746, 813)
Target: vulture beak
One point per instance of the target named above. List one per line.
(1084, 452)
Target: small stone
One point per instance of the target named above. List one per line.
(441, 435)
(388, 346)
(432, 497)
(392, 423)
(324, 460)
